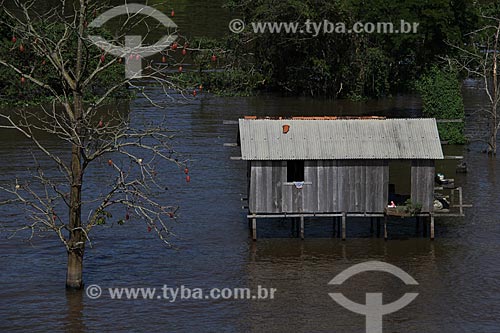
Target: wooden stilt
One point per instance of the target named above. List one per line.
(385, 227)
(424, 227)
(302, 227)
(460, 202)
(339, 219)
(254, 229)
(344, 218)
(432, 227)
(378, 227)
(417, 225)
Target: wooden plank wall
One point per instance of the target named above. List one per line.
(422, 184)
(363, 185)
(322, 194)
(337, 186)
(266, 193)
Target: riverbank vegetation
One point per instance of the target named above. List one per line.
(350, 65)
(220, 68)
(332, 65)
(26, 71)
(441, 98)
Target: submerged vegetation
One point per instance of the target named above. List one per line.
(441, 98)
(351, 65)
(221, 70)
(333, 65)
(25, 61)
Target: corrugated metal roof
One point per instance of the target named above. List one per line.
(263, 139)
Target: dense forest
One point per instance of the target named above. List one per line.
(338, 65)
(356, 65)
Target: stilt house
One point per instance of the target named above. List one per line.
(328, 165)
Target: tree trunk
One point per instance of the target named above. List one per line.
(494, 115)
(74, 275)
(77, 238)
(493, 142)
(494, 124)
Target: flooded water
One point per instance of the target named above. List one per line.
(458, 273)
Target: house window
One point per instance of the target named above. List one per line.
(295, 171)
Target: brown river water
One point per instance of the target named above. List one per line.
(458, 273)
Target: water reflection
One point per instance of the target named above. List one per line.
(300, 271)
(75, 320)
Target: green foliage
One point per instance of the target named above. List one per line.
(226, 74)
(24, 55)
(231, 82)
(442, 99)
(102, 216)
(410, 208)
(345, 64)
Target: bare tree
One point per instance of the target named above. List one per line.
(480, 59)
(90, 138)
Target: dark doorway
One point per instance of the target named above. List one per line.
(399, 181)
